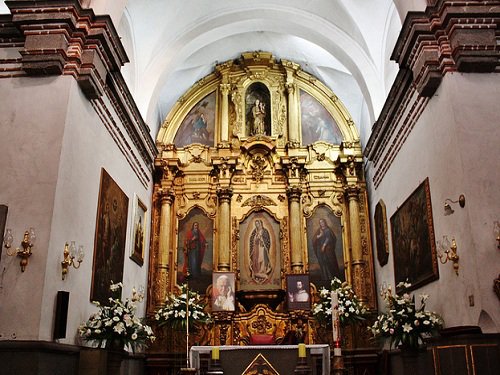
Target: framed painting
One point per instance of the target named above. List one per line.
(195, 250)
(138, 231)
(3, 219)
(260, 252)
(199, 124)
(413, 243)
(325, 247)
(381, 236)
(298, 295)
(110, 237)
(223, 288)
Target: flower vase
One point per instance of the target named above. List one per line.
(115, 355)
(409, 358)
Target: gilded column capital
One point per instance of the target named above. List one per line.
(225, 88)
(225, 194)
(166, 196)
(352, 192)
(290, 88)
(294, 193)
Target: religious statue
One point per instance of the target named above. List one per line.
(259, 116)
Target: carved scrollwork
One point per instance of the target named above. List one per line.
(258, 201)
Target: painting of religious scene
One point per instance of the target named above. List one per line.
(138, 231)
(110, 236)
(316, 122)
(413, 243)
(260, 254)
(258, 109)
(325, 247)
(195, 250)
(199, 124)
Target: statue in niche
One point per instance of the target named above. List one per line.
(258, 116)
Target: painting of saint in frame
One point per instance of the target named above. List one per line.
(413, 243)
(138, 231)
(260, 252)
(199, 124)
(110, 237)
(297, 291)
(325, 247)
(223, 288)
(195, 250)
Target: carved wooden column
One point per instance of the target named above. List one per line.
(162, 267)
(293, 128)
(224, 229)
(224, 129)
(294, 193)
(357, 253)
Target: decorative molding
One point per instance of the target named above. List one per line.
(448, 36)
(258, 201)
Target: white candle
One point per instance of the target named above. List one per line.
(335, 316)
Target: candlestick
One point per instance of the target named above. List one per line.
(302, 350)
(335, 315)
(215, 353)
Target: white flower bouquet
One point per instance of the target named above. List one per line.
(404, 323)
(176, 309)
(115, 324)
(350, 309)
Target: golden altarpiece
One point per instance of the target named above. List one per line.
(259, 142)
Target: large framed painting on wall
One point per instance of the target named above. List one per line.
(325, 247)
(413, 242)
(195, 250)
(110, 237)
(260, 252)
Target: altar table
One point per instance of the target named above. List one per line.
(235, 359)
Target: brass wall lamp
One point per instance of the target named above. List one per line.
(448, 210)
(69, 255)
(27, 243)
(448, 252)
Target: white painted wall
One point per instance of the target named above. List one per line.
(455, 144)
(54, 147)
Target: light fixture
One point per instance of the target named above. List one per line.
(448, 252)
(448, 210)
(496, 230)
(70, 253)
(26, 244)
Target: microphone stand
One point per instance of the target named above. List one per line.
(188, 370)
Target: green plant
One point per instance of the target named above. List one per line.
(403, 323)
(350, 309)
(115, 324)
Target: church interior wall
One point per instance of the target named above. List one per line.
(443, 146)
(60, 165)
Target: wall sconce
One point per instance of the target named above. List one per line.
(70, 253)
(26, 244)
(447, 208)
(448, 252)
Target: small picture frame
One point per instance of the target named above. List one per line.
(223, 288)
(298, 294)
(138, 231)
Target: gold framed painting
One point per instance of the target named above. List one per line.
(110, 236)
(138, 231)
(414, 246)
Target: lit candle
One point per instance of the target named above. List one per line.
(215, 353)
(302, 350)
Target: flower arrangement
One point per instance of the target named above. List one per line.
(174, 311)
(351, 310)
(404, 323)
(115, 324)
